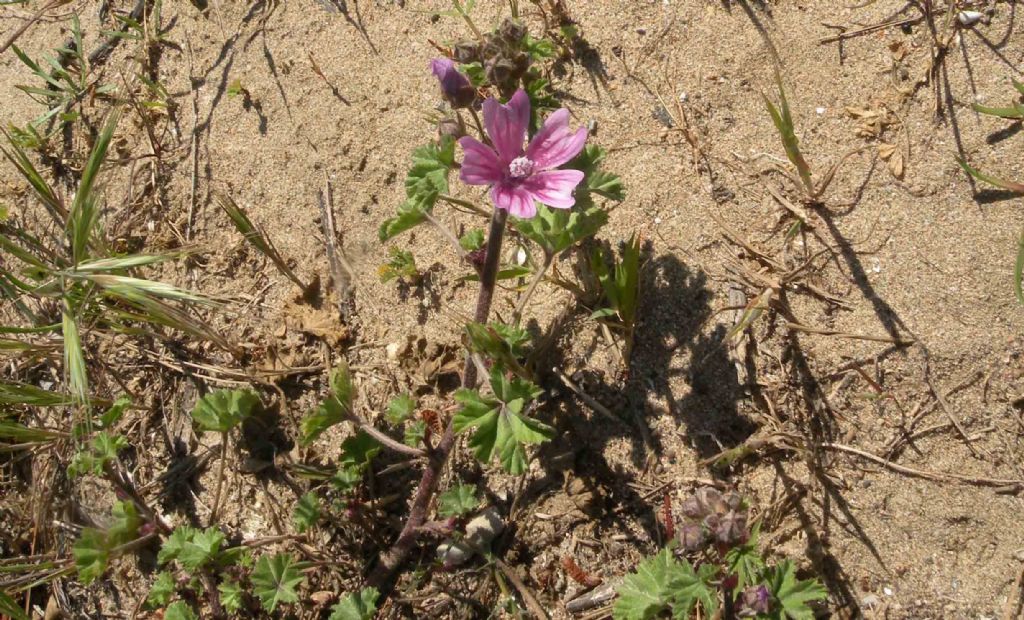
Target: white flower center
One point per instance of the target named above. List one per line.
(520, 167)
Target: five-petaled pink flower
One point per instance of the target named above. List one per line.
(519, 177)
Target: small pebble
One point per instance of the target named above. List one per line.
(887, 591)
(820, 110)
(393, 350)
(969, 18)
(484, 527)
(454, 553)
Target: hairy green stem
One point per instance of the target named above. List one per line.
(469, 21)
(384, 573)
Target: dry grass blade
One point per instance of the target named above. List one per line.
(54, 206)
(124, 262)
(153, 310)
(24, 394)
(341, 271)
(12, 431)
(1018, 270)
(751, 313)
(257, 237)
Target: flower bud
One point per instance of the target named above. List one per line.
(501, 72)
(692, 537)
(451, 127)
(512, 30)
(454, 86)
(521, 61)
(732, 528)
(466, 52)
(755, 601)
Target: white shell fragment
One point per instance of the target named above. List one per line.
(454, 553)
(969, 18)
(485, 527)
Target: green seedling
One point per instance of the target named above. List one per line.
(220, 412)
(360, 605)
(402, 265)
(336, 408)
(275, 578)
(65, 77)
(95, 548)
(193, 560)
(621, 286)
(782, 118)
(458, 501)
(504, 344)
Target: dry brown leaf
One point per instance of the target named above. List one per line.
(895, 163)
(885, 150)
(898, 50)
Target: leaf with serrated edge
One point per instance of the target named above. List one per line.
(793, 594)
(458, 501)
(274, 580)
(360, 605)
(662, 583)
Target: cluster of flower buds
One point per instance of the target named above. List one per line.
(754, 601)
(713, 517)
(501, 55)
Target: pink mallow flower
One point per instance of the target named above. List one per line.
(519, 177)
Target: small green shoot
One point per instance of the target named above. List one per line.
(783, 120)
(426, 180)
(307, 512)
(664, 584)
(401, 408)
(223, 410)
(401, 265)
(621, 287)
(336, 408)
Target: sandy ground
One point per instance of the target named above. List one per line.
(926, 257)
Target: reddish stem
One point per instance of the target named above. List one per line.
(383, 574)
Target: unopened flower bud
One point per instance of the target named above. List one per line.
(692, 537)
(732, 528)
(476, 257)
(512, 30)
(521, 61)
(450, 127)
(466, 52)
(501, 72)
(755, 601)
(454, 86)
